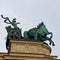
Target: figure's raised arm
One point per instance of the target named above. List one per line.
(6, 20)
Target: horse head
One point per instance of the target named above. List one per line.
(42, 30)
(39, 25)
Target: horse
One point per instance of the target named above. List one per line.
(39, 33)
(43, 33)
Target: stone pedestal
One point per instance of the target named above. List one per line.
(27, 50)
(29, 47)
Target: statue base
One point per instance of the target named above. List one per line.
(27, 50)
(29, 47)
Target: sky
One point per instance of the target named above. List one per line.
(30, 13)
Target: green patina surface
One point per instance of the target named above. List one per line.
(37, 33)
(13, 33)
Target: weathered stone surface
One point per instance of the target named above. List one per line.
(25, 50)
(2, 56)
(29, 47)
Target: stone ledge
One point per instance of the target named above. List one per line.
(26, 56)
(33, 55)
(2, 55)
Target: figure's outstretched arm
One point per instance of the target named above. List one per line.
(18, 23)
(14, 20)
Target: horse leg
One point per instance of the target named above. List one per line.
(50, 38)
(49, 33)
(51, 42)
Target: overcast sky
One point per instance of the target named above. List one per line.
(30, 13)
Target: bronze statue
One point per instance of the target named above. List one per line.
(13, 33)
(39, 33)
